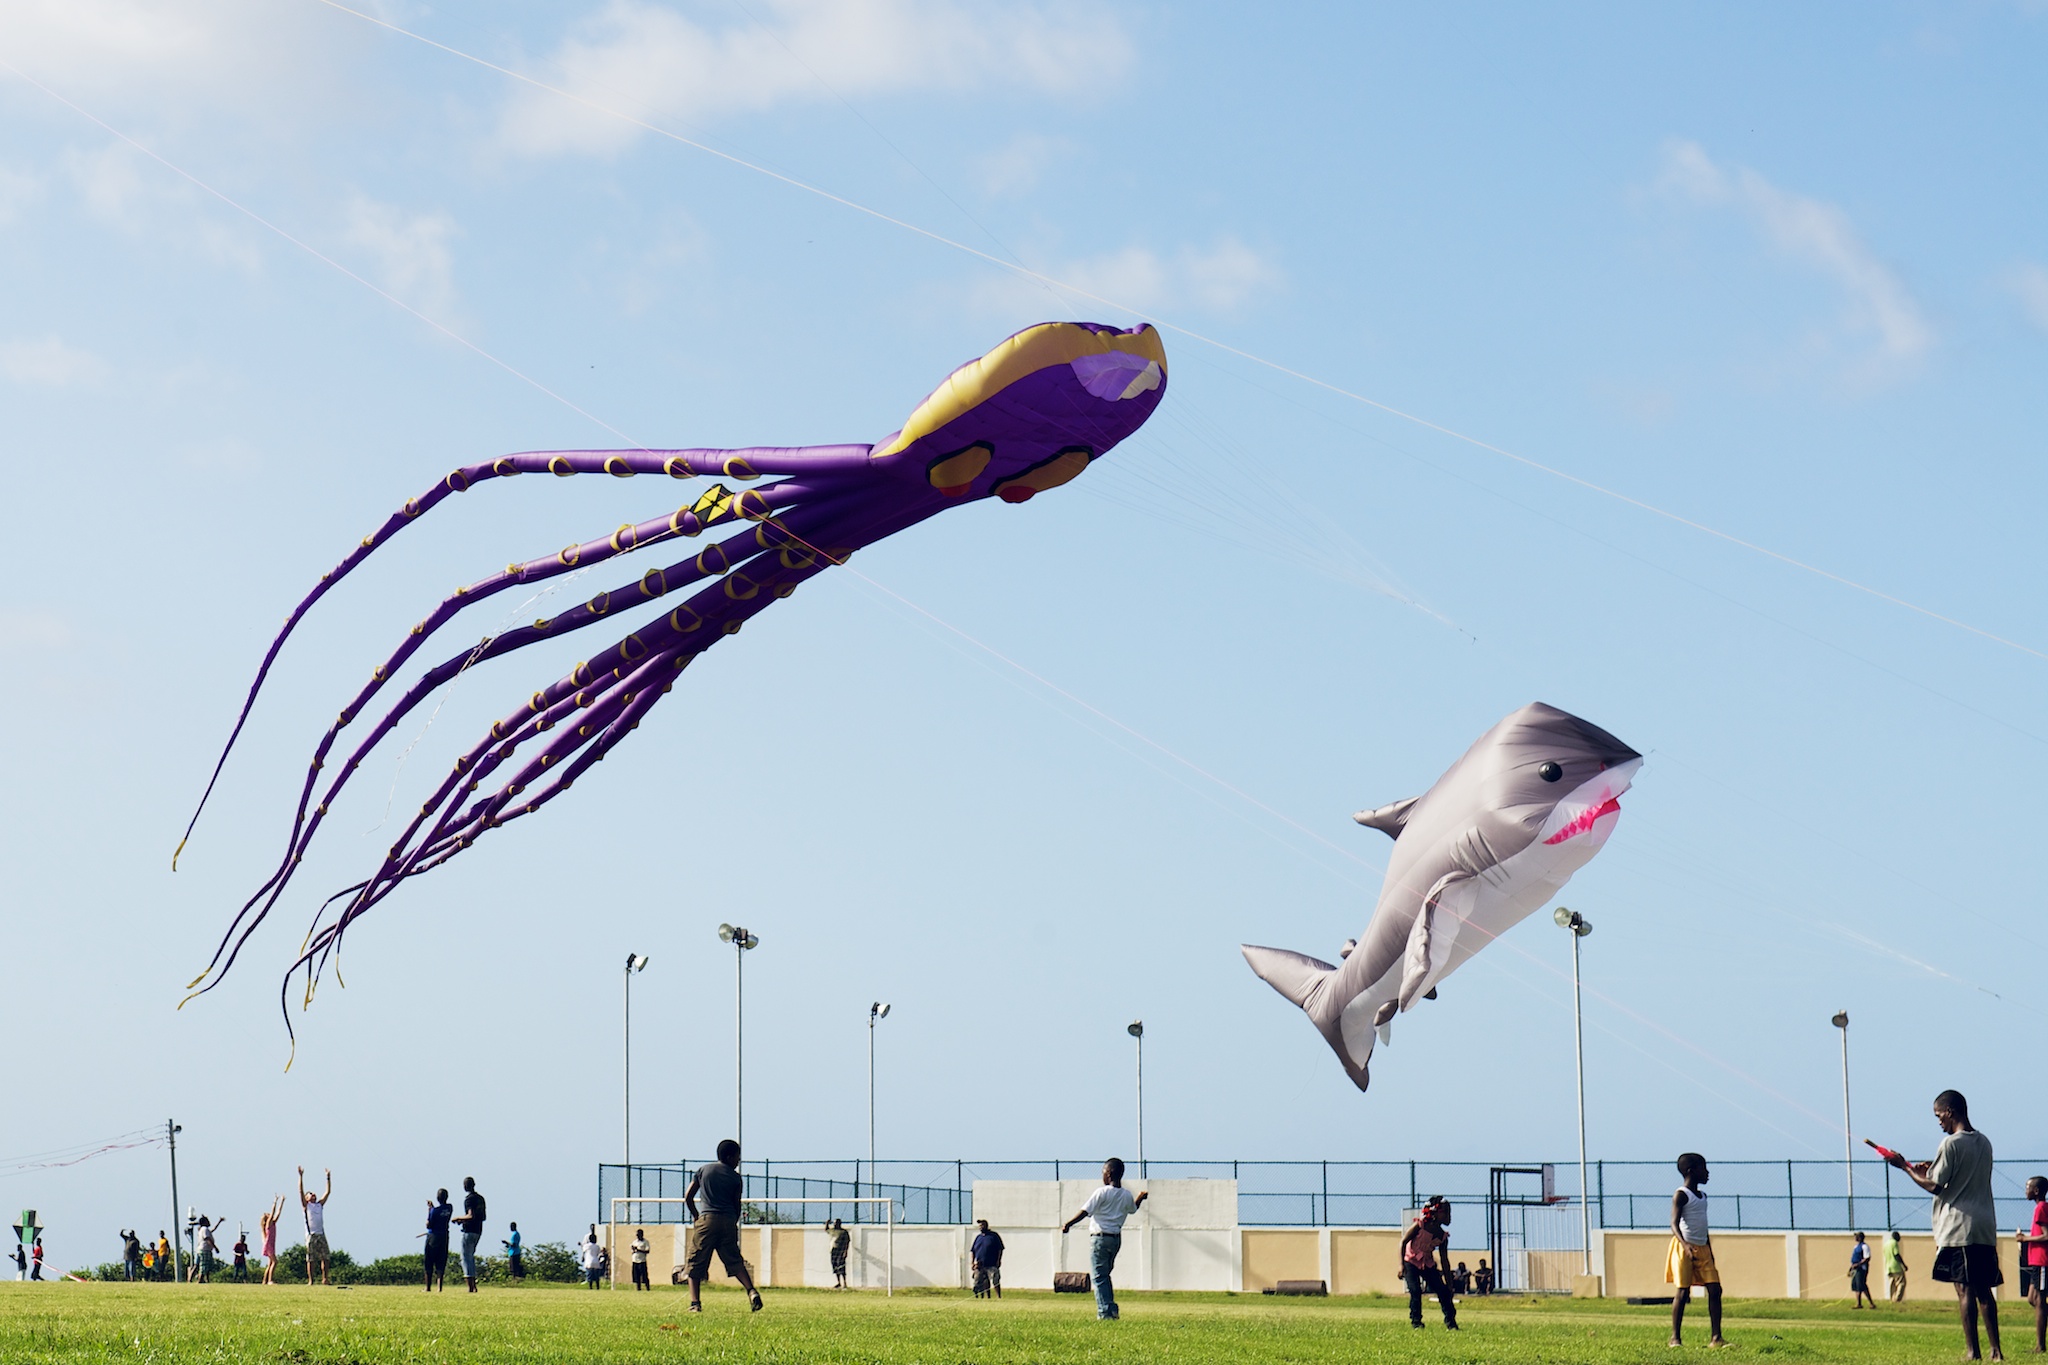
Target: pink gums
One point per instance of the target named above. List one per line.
(1586, 820)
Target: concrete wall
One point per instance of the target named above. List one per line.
(1187, 1237)
(1776, 1265)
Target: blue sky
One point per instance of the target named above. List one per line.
(1782, 274)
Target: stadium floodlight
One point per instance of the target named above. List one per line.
(635, 962)
(878, 1010)
(1136, 1028)
(741, 939)
(1580, 927)
(1841, 1021)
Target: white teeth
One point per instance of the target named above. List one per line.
(1595, 792)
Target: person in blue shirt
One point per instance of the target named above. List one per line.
(439, 1212)
(513, 1260)
(1859, 1272)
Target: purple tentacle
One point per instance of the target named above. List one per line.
(743, 464)
(785, 534)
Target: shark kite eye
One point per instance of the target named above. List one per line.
(1550, 772)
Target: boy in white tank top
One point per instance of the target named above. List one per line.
(1691, 1260)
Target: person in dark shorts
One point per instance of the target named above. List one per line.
(515, 1254)
(2034, 1261)
(641, 1247)
(1426, 1264)
(717, 1228)
(841, 1239)
(241, 1249)
(439, 1214)
(987, 1254)
(1859, 1272)
(1965, 1219)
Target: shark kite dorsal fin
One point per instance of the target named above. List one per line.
(1390, 820)
(1294, 975)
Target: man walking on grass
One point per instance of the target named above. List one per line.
(1965, 1219)
(1106, 1210)
(717, 1228)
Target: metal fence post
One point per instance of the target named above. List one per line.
(1411, 1185)
(1791, 1200)
(1326, 1193)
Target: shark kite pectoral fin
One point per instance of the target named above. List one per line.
(1429, 941)
(1389, 819)
(1295, 975)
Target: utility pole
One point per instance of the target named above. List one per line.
(171, 1131)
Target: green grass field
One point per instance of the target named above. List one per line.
(373, 1326)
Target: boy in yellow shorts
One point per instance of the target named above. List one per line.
(1691, 1260)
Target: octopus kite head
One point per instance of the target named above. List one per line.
(1032, 413)
(715, 549)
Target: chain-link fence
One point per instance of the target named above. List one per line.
(1774, 1195)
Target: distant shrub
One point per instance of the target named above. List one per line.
(291, 1264)
(552, 1262)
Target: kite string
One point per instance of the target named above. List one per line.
(80, 1152)
(323, 257)
(1105, 716)
(1054, 282)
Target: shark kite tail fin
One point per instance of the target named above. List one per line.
(1295, 975)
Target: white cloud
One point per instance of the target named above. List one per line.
(1221, 278)
(106, 178)
(1879, 313)
(50, 363)
(171, 55)
(1018, 165)
(410, 252)
(34, 632)
(651, 62)
(2029, 284)
(18, 189)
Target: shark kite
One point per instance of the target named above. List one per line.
(1497, 836)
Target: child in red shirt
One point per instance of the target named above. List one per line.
(2034, 1260)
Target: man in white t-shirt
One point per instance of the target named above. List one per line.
(316, 1225)
(1106, 1210)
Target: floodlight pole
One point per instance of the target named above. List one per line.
(1841, 1021)
(1580, 926)
(1136, 1029)
(741, 939)
(876, 1011)
(171, 1131)
(739, 1047)
(634, 963)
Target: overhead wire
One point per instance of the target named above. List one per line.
(1168, 325)
(1073, 699)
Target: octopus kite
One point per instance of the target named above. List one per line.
(1027, 417)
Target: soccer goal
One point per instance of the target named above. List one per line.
(636, 1203)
